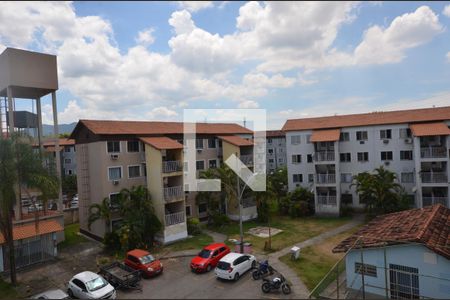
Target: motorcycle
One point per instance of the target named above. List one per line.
(275, 284)
(263, 269)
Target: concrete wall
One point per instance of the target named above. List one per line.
(416, 256)
(71, 216)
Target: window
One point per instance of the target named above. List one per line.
(200, 164)
(144, 167)
(296, 158)
(67, 161)
(346, 157)
(133, 146)
(270, 151)
(199, 143)
(386, 134)
(361, 135)
(345, 137)
(406, 155)
(212, 163)
(269, 141)
(297, 177)
(386, 155)
(69, 172)
(309, 158)
(115, 173)
(114, 200)
(188, 211)
(363, 156)
(369, 270)
(67, 149)
(295, 139)
(134, 171)
(346, 177)
(212, 143)
(113, 146)
(310, 177)
(308, 138)
(271, 160)
(405, 133)
(347, 199)
(403, 282)
(407, 177)
(280, 160)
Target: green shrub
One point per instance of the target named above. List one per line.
(299, 209)
(220, 219)
(193, 226)
(112, 241)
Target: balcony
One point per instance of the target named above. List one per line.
(327, 200)
(434, 177)
(433, 152)
(175, 218)
(247, 159)
(326, 178)
(173, 193)
(426, 201)
(324, 156)
(172, 166)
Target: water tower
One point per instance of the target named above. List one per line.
(28, 75)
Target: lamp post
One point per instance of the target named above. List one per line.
(240, 194)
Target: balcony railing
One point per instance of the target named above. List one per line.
(326, 178)
(324, 156)
(173, 192)
(434, 177)
(247, 159)
(433, 152)
(176, 218)
(172, 166)
(434, 200)
(326, 200)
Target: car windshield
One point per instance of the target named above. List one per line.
(96, 284)
(146, 259)
(223, 265)
(204, 253)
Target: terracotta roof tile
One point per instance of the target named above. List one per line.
(162, 142)
(429, 129)
(29, 230)
(275, 133)
(51, 144)
(142, 128)
(429, 226)
(375, 118)
(328, 135)
(236, 140)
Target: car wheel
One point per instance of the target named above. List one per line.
(208, 268)
(236, 277)
(265, 287)
(71, 295)
(253, 264)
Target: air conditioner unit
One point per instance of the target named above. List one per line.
(385, 141)
(114, 156)
(387, 163)
(362, 142)
(408, 141)
(115, 182)
(199, 150)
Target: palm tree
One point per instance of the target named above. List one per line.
(100, 211)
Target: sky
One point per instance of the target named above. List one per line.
(152, 60)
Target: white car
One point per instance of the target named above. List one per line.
(233, 265)
(88, 285)
(51, 294)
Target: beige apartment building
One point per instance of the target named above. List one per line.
(112, 155)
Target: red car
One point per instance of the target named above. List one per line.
(209, 257)
(143, 261)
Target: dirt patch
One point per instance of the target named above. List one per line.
(263, 231)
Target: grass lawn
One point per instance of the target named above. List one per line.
(71, 236)
(317, 260)
(7, 291)
(295, 230)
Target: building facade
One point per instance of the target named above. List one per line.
(112, 155)
(324, 154)
(276, 150)
(67, 155)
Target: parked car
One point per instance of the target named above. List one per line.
(88, 285)
(51, 294)
(233, 265)
(35, 207)
(145, 262)
(209, 257)
(74, 203)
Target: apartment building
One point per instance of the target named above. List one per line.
(112, 155)
(325, 153)
(276, 150)
(66, 152)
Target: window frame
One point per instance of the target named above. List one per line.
(344, 134)
(298, 159)
(113, 167)
(364, 155)
(362, 133)
(299, 176)
(296, 141)
(114, 152)
(402, 156)
(215, 143)
(138, 147)
(387, 156)
(140, 171)
(387, 134)
(345, 155)
(196, 167)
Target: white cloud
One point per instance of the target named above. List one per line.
(446, 11)
(145, 37)
(248, 104)
(381, 46)
(448, 57)
(194, 6)
(162, 113)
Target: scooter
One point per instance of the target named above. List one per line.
(275, 284)
(263, 269)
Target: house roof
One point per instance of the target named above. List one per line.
(374, 118)
(275, 133)
(236, 140)
(29, 230)
(327, 135)
(427, 129)
(102, 127)
(51, 144)
(162, 142)
(429, 226)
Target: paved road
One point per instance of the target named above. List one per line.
(177, 281)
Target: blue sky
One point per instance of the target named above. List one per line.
(150, 60)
